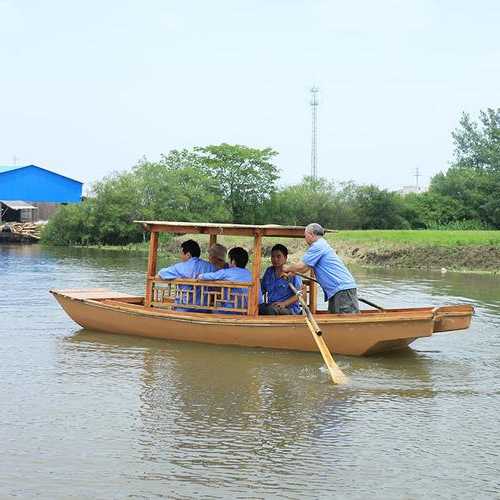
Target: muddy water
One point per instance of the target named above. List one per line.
(89, 415)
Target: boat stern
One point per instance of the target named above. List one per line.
(450, 318)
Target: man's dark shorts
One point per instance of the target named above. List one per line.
(344, 302)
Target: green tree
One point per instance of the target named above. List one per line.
(412, 210)
(313, 200)
(179, 187)
(302, 203)
(116, 206)
(472, 183)
(477, 145)
(72, 225)
(246, 177)
(379, 209)
(435, 210)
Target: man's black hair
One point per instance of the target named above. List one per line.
(280, 248)
(239, 256)
(192, 247)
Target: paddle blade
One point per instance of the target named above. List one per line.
(338, 376)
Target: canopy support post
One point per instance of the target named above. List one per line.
(313, 294)
(253, 309)
(151, 273)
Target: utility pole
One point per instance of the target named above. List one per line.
(417, 175)
(314, 141)
(15, 159)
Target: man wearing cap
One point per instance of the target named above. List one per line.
(217, 256)
(337, 282)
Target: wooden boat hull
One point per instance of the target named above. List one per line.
(350, 334)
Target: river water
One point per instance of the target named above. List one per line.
(91, 415)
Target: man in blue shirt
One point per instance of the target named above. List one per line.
(238, 259)
(189, 267)
(337, 282)
(280, 298)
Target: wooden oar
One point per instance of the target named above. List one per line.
(365, 301)
(336, 373)
(371, 304)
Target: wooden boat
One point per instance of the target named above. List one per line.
(156, 314)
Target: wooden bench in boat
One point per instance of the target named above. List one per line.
(210, 296)
(227, 296)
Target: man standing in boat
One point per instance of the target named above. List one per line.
(338, 284)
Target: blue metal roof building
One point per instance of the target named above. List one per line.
(36, 184)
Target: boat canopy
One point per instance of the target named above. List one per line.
(222, 229)
(214, 229)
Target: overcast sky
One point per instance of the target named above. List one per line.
(92, 86)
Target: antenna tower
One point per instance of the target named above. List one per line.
(417, 176)
(314, 141)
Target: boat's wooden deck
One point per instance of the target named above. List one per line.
(97, 294)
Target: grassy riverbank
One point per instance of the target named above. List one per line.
(420, 238)
(477, 251)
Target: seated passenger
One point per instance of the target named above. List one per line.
(217, 256)
(280, 298)
(190, 266)
(238, 259)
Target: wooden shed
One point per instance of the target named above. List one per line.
(17, 211)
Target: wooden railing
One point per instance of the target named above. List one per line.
(211, 296)
(202, 296)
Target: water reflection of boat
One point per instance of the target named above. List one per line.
(273, 378)
(155, 314)
(186, 396)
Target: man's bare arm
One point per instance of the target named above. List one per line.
(287, 302)
(300, 267)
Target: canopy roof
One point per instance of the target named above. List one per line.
(222, 229)
(18, 205)
(9, 168)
